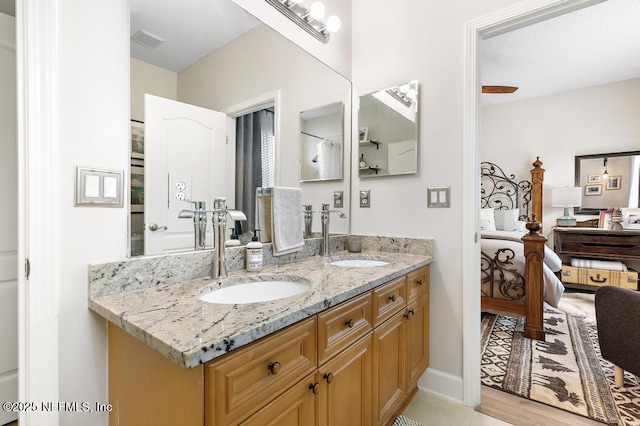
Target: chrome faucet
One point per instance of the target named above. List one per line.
(219, 220)
(308, 220)
(199, 215)
(324, 218)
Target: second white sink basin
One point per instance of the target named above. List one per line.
(358, 263)
(255, 291)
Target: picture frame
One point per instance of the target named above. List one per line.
(593, 178)
(605, 219)
(614, 182)
(630, 218)
(137, 139)
(363, 134)
(590, 190)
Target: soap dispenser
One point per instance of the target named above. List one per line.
(254, 253)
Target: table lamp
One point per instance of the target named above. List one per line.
(566, 197)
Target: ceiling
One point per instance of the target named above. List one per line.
(595, 45)
(191, 29)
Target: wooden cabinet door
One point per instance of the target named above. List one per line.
(417, 321)
(389, 368)
(344, 396)
(296, 407)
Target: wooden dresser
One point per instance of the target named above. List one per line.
(598, 244)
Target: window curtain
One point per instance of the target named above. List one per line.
(255, 161)
(634, 181)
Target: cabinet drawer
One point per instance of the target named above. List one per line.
(418, 283)
(238, 385)
(342, 325)
(388, 299)
(599, 277)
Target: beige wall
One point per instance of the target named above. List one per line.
(147, 78)
(558, 127)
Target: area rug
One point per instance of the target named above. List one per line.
(565, 371)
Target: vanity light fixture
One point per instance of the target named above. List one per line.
(308, 19)
(605, 175)
(406, 94)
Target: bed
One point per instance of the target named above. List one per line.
(518, 271)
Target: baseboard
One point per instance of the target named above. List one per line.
(443, 384)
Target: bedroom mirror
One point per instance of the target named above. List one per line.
(247, 69)
(608, 180)
(388, 131)
(321, 143)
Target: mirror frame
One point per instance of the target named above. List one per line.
(578, 159)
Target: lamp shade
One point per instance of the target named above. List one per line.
(567, 196)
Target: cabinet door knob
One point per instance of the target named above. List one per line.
(349, 323)
(314, 388)
(392, 298)
(328, 377)
(274, 367)
(409, 313)
(419, 282)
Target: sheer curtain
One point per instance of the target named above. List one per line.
(255, 160)
(634, 181)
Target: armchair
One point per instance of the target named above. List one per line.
(618, 322)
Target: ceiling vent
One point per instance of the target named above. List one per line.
(146, 39)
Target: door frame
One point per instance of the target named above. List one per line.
(38, 206)
(502, 21)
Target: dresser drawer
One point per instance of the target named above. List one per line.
(598, 243)
(388, 299)
(342, 325)
(418, 283)
(238, 385)
(599, 277)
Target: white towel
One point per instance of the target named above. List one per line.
(610, 265)
(287, 220)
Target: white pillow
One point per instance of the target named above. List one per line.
(507, 220)
(487, 220)
(521, 226)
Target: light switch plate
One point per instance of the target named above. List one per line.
(365, 198)
(99, 187)
(438, 196)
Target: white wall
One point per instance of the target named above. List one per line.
(556, 128)
(151, 79)
(93, 130)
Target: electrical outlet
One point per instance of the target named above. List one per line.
(365, 198)
(180, 196)
(338, 199)
(181, 186)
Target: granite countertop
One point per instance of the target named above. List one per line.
(171, 319)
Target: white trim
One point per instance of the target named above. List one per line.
(36, 55)
(504, 20)
(449, 386)
(256, 104)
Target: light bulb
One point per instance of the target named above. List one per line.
(333, 24)
(317, 10)
(411, 93)
(404, 88)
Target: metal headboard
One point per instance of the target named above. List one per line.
(502, 192)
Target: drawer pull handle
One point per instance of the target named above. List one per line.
(314, 388)
(409, 313)
(392, 298)
(350, 323)
(328, 377)
(274, 367)
(419, 282)
(597, 279)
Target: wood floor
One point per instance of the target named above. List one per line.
(523, 412)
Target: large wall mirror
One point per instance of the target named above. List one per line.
(610, 180)
(321, 143)
(388, 131)
(260, 81)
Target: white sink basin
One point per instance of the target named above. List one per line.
(254, 292)
(358, 263)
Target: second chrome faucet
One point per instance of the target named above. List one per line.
(324, 219)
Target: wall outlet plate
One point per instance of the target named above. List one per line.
(438, 196)
(338, 199)
(365, 198)
(98, 187)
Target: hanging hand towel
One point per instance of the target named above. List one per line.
(287, 220)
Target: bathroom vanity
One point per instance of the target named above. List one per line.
(352, 346)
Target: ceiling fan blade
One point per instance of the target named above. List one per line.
(499, 89)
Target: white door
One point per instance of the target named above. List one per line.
(8, 222)
(185, 159)
(402, 157)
